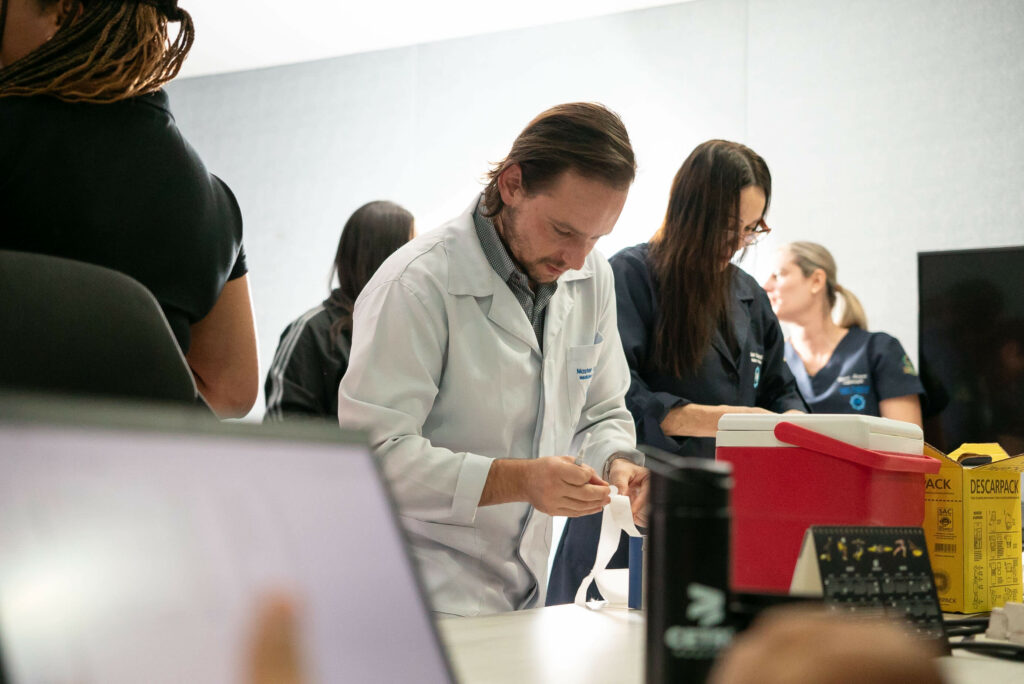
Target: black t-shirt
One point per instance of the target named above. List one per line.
(118, 186)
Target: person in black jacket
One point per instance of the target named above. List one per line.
(698, 332)
(312, 355)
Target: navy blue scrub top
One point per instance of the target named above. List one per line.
(756, 376)
(865, 368)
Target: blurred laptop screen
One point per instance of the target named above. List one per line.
(142, 554)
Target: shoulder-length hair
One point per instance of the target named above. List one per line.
(699, 231)
(370, 235)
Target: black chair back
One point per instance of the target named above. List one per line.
(77, 328)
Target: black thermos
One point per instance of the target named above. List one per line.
(687, 567)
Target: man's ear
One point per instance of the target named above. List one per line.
(510, 184)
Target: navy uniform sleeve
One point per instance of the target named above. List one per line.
(777, 390)
(297, 379)
(636, 315)
(891, 370)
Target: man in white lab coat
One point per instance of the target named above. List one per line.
(485, 352)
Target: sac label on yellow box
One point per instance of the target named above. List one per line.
(973, 527)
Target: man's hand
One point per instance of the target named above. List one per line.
(554, 485)
(632, 481)
(557, 486)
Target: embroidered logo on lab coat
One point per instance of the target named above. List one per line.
(584, 373)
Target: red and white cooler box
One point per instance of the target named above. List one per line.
(795, 471)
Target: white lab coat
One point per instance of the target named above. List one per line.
(446, 375)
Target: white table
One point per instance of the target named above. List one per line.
(560, 644)
(568, 644)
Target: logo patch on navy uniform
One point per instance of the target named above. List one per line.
(757, 359)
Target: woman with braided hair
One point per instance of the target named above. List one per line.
(105, 50)
(839, 366)
(93, 168)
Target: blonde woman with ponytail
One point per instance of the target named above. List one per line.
(93, 168)
(839, 366)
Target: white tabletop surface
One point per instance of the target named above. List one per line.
(560, 644)
(568, 644)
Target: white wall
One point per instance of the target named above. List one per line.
(890, 127)
(237, 35)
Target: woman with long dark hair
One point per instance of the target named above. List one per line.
(93, 168)
(312, 355)
(699, 334)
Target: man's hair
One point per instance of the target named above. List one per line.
(106, 51)
(580, 136)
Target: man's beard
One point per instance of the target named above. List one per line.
(515, 243)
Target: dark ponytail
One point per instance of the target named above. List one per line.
(370, 235)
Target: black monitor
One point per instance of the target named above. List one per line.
(971, 344)
(137, 544)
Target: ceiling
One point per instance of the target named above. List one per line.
(236, 35)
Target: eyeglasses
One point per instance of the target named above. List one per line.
(751, 236)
